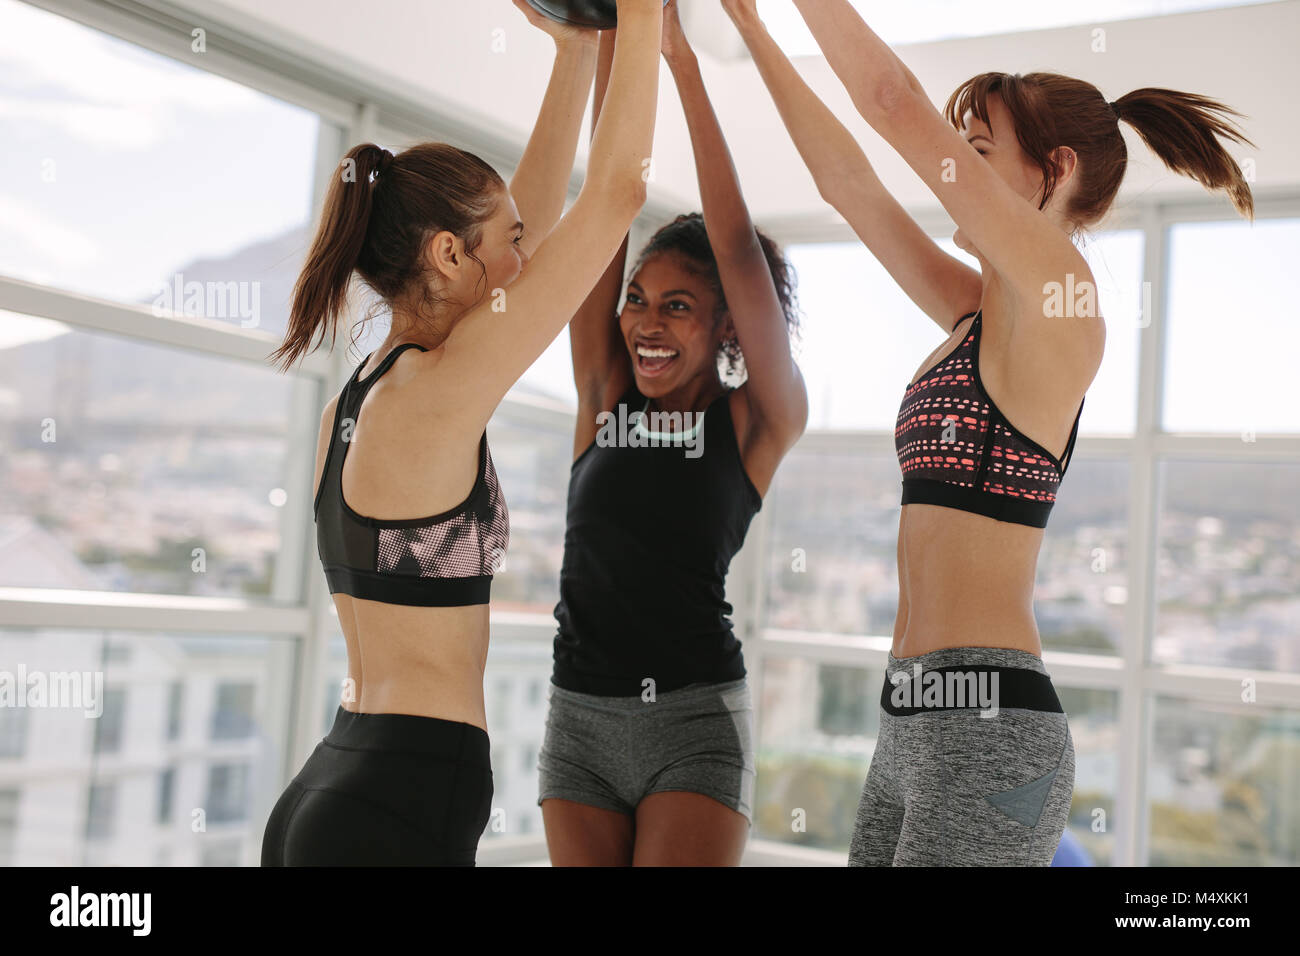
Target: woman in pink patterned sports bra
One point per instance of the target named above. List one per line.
(986, 428)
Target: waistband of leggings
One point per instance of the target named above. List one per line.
(971, 657)
(411, 733)
(690, 692)
(968, 678)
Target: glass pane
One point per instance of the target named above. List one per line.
(533, 454)
(200, 796)
(817, 728)
(832, 555)
(864, 339)
(1081, 591)
(818, 725)
(126, 174)
(126, 466)
(1094, 728)
(1228, 565)
(1116, 262)
(1223, 786)
(516, 692)
(1213, 381)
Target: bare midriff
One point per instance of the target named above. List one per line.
(426, 661)
(964, 580)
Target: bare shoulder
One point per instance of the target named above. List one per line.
(427, 386)
(1056, 328)
(415, 383)
(422, 410)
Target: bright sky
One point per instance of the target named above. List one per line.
(153, 163)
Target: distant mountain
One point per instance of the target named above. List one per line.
(95, 376)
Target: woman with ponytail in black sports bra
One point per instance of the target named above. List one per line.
(411, 524)
(987, 425)
(648, 754)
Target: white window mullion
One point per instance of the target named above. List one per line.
(1130, 797)
(40, 608)
(138, 322)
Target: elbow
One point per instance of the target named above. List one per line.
(828, 189)
(638, 192)
(628, 195)
(890, 93)
(833, 190)
(613, 203)
(888, 97)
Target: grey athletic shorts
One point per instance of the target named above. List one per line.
(612, 752)
(974, 765)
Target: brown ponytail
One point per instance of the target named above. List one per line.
(1182, 129)
(379, 211)
(1049, 110)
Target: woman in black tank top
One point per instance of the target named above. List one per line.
(647, 757)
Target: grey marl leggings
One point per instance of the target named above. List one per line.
(974, 765)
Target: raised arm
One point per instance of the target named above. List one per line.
(602, 369)
(774, 391)
(1025, 248)
(943, 287)
(540, 183)
(493, 344)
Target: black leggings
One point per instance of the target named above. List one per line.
(385, 790)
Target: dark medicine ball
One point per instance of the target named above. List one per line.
(592, 14)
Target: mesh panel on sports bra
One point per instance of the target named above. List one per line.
(466, 544)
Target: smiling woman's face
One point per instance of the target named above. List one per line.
(668, 325)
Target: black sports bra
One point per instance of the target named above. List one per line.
(444, 560)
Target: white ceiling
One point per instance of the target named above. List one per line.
(441, 52)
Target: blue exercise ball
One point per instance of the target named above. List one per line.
(1070, 852)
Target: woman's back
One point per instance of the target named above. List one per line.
(410, 529)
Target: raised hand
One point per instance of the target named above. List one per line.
(561, 32)
(674, 39)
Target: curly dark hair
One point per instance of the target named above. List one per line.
(687, 237)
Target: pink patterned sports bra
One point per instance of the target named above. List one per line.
(957, 450)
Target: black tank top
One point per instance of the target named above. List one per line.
(649, 537)
(444, 560)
